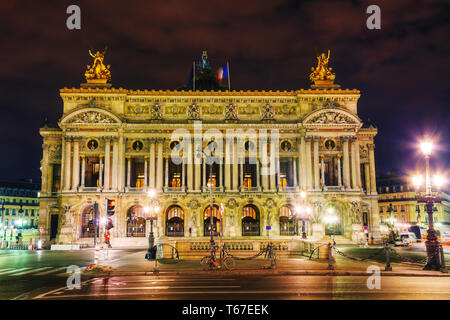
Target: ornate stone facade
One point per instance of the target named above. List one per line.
(108, 146)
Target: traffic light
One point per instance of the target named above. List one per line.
(110, 210)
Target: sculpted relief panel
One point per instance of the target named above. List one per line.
(332, 118)
(91, 117)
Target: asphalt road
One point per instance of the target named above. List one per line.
(41, 275)
(254, 287)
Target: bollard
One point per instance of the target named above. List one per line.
(330, 258)
(388, 259)
(443, 266)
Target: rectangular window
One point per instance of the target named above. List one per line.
(7, 212)
(381, 209)
(26, 212)
(403, 208)
(13, 212)
(32, 212)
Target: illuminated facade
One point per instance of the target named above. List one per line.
(119, 143)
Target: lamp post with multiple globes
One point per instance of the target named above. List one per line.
(304, 212)
(151, 213)
(432, 243)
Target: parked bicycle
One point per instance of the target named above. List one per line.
(226, 262)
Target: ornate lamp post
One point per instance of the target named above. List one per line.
(304, 211)
(2, 222)
(391, 222)
(151, 212)
(432, 243)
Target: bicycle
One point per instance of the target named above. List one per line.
(227, 262)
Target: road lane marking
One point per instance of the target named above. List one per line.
(49, 271)
(12, 271)
(43, 295)
(234, 292)
(30, 271)
(1, 270)
(167, 287)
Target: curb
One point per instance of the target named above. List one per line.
(219, 273)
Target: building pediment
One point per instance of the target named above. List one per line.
(91, 116)
(335, 116)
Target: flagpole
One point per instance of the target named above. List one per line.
(193, 80)
(228, 67)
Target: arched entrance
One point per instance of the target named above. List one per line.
(288, 222)
(135, 222)
(207, 221)
(333, 221)
(87, 223)
(250, 221)
(175, 222)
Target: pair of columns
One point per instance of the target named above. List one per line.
(312, 171)
(71, 165)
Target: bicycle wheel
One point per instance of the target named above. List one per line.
(206, 263)
(229, 263)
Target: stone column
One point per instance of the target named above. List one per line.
(316, 164)
(241, 177)
(228, 163)
(128, 172)
(145, 172)
(159, 165)
(63, 166)
(353, 163)
(107, 162)
(190, 167)
(358, 165)
(100, 174)
(204, 174)
(115, 164)
(44, 182)
(322, 170)
(235, 165)
(300, 164)
(83, 171)
(183, 176)
(166, 178)
(258, 175)
(152, 176)
(308, 163)
(373, 185)
(221, 174)
(346, 163)
(121, 169)
(367, 176)
(339, 170)
(272, 165)
(294, 169)
(76, 165)
(198, 157)
(264, 165)
(49, 177)
(67, 162)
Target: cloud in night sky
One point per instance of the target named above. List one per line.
(402, 70)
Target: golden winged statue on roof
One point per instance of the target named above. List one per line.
(98, 72)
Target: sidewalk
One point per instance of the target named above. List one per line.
(135, 264)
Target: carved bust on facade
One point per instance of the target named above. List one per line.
(230, 112)
(267, 112)
(156, 112)
(194, 112)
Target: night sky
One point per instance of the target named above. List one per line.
(402, 70)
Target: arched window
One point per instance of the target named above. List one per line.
(288, 223)
(250, 221)
(207, 221)
(135, 222)
(175, 222)
(87, 223)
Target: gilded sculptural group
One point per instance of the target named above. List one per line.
(98, 72)
(322, 72)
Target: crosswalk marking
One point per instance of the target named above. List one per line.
(1, 270)
(50, 271)
(30, 271)
(12, 271)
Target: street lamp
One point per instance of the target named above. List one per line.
(304, 212)
(211, 199)
(151, 214)
(432, 243)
